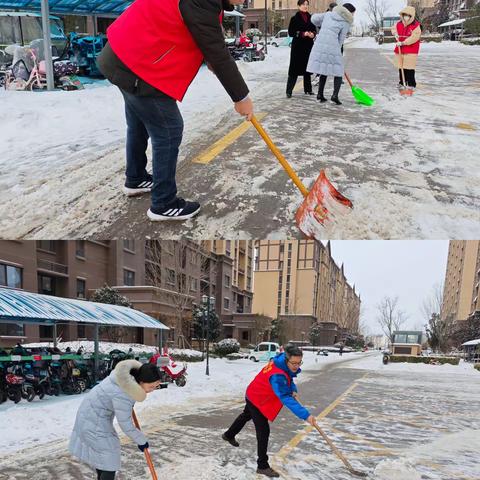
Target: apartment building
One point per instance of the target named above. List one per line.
(161, 278)
(462, 280)
(298, 282)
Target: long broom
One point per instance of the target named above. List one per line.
(359, 95)
(146, 452)
(339, 454)
(403, 91)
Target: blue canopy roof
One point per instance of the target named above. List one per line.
(72, 7)
(26, 307)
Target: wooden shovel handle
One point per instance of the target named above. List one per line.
(146, 452)
(401, 67)
(291, 173)
(348, 80)
(337, 452)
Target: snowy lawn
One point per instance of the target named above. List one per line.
(52, 418)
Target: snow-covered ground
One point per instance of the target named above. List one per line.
(61, 153)
(52, 418)
(62, 159)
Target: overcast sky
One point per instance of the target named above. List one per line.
(407, 269)
(393, 7)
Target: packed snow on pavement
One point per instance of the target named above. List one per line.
(62, 152)
(43, 421)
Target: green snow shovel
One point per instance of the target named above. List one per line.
(359, 95)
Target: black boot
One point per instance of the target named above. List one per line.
(289, 95)
(321, 88)
(231, 441)
(337, 83)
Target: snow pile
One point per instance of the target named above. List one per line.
(396, 470)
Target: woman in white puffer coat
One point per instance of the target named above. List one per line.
(94, 439)
(326, 57)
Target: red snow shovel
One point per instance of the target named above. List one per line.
(321, 203)
(403, 91)
(146, 452)
(339, 454)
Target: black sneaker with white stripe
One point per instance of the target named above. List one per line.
(133, 189)
(179, 209)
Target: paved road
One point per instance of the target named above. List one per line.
(406, 163)
(372, 417)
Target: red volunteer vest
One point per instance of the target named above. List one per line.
(261, 393)
(403, 33)
(152, 40)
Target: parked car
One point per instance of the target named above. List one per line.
(264, 351)
(281, 39)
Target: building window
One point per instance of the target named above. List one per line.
(48, 245)
(129, 245)
(273, 4)
(228, 247)
(193, 284)
(81, 330)
(128, 278)
(81, 288)
(245, 335)
(226, 303)
(227, 280)
(46, 285)
(80, 248)
(11, 276)
(170, 277)
(12, 330)
(46, 331)
(182, 282)
(280, 4)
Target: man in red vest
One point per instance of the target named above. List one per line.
(154, 51)
(269, 391)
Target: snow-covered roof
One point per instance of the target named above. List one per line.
(471, 342)
(21, 306)
(453, 22)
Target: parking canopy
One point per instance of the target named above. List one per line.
(70, 7)
(25, 307)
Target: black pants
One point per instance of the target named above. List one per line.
(409, 77)
(104, 475)
(262, 428)
(307, 83)
(337, 83)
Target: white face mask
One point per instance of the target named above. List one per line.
(406, 18)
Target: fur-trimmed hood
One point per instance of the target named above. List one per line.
(344, 13)
(408, 11)
(122, 377)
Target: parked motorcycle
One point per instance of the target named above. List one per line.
(17, 386)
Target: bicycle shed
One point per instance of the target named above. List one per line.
(18, 306)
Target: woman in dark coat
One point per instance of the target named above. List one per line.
(302, 31)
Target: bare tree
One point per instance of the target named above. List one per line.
(390, 317)
(375, 10)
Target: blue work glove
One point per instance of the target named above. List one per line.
(143, 447)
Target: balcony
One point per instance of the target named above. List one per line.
(52, 267)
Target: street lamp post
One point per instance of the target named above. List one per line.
(266, 27)
(208, 301)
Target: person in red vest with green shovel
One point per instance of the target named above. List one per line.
(269, 391)
(154, 51)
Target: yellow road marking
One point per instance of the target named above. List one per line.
(220, 145)
(285, 451)
(466, 126)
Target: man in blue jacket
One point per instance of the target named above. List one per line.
(269, 391)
